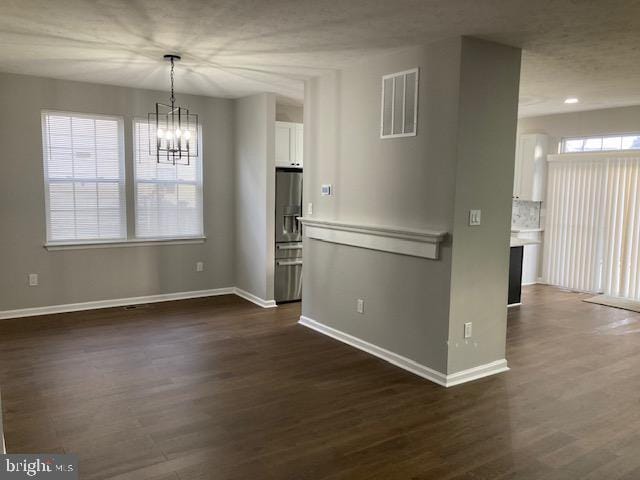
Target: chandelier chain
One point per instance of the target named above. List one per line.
(173, 98)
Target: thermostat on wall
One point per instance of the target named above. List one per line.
(326, 190)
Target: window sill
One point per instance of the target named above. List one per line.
(147, 242)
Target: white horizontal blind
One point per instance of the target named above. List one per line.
(593, 224)
(168, 197)
(84, 177)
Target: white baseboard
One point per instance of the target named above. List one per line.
(261, 302)
(406, 363)
(122, 302)
(475, 373)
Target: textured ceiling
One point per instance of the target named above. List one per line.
(584, 48)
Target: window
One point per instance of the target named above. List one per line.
(601, 144)
(84, 177)
(168, 197)
(399, 115)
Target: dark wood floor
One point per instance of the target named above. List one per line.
(220, 389)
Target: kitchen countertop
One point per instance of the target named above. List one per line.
(521, 242)
(526, 230)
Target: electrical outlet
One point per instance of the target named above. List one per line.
(360, 305)
(310, 209)
(33, 279)
(199, 266)
(474, 217)
(467, 330)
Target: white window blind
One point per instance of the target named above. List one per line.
(592, 237)
(168, 197)
(84, 177)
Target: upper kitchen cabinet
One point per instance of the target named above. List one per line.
(531, 167)
(289, 143)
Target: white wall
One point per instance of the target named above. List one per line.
(579, 124)
(254, 193)
(108, 273)
(416, 182)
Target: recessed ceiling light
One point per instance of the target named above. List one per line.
(571, 100)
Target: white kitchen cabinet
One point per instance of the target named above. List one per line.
(289, 144)
(532, 254)
(530, 167)
(530, 261)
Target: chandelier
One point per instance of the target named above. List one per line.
(176, 130)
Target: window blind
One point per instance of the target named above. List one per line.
(592, 236)
(168, 197)
(84, 177)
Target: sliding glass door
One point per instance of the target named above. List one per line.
(592, 235)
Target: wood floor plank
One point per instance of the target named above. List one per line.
(217, 388)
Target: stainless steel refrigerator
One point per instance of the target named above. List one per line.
(288, 255)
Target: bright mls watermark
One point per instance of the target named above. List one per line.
(39, 466)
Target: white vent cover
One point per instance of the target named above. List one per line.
(399, 115)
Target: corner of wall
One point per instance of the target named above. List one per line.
(254, 194)
(271, 193)
(489, 86)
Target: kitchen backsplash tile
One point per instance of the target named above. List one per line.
(525, 214)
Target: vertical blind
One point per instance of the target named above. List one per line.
(84, 177)
(168, 197)
(592, 232)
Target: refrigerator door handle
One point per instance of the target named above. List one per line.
(289, 247)
(290, 224)
(288, 263)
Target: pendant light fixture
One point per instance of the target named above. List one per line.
(176, 130)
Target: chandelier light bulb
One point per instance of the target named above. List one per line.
(160, 133)
(169, 135)
(178, 133)
(186, 135)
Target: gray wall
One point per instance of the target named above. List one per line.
(99, 274)
(254, 191)
(429, 180)
(406, 182)
(489, 84)
(577, 124)
(289, 113)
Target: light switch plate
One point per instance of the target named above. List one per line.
(326, 189)
(33, 280)
(310, 209)
(360, 305)
(467, 330)
(474, 217)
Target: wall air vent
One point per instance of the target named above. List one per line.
(399, 112)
